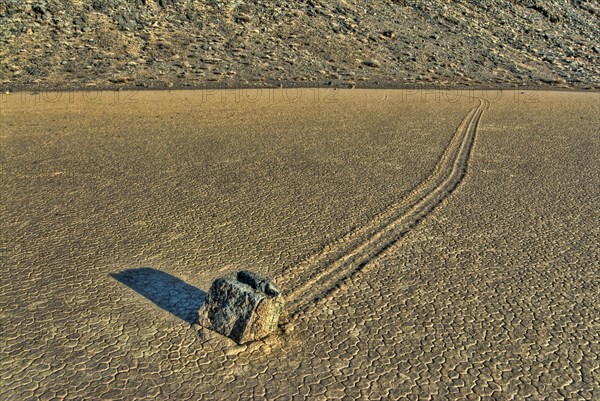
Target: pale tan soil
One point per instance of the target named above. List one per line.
(492, 294)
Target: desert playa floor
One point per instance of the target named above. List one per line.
(431, 245)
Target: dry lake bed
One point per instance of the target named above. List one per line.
(430, 244)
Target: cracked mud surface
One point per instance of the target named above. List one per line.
(351, 254)
(116, 218)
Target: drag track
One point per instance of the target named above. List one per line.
(321, 274)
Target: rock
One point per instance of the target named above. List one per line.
(372, 63)
(165, 3)
(243, 306)
(40, 11)
(553, 80)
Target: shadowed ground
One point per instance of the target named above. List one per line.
(492, 295)
(166, 291)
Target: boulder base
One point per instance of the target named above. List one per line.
(243, 306)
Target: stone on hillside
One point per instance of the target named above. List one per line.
(242, 306)
(372, 63)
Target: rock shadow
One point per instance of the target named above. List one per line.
(166, 291)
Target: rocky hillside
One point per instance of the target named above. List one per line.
(213, 43)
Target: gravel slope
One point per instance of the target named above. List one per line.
(207, 43)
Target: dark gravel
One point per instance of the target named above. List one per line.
(380, 43)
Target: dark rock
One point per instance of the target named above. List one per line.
(553, 80)
(122, 22)
(102, 5)
(165, 3)
(372, 63)
(243, 306)
(40, 11)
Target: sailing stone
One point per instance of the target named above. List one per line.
(243, 306)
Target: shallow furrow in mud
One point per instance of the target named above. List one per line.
(321, 274)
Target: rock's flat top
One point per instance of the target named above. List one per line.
(378, 43)
(492, 294)
(258, 283)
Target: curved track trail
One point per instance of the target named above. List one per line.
(321, 274)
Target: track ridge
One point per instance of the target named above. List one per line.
(319, 275)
